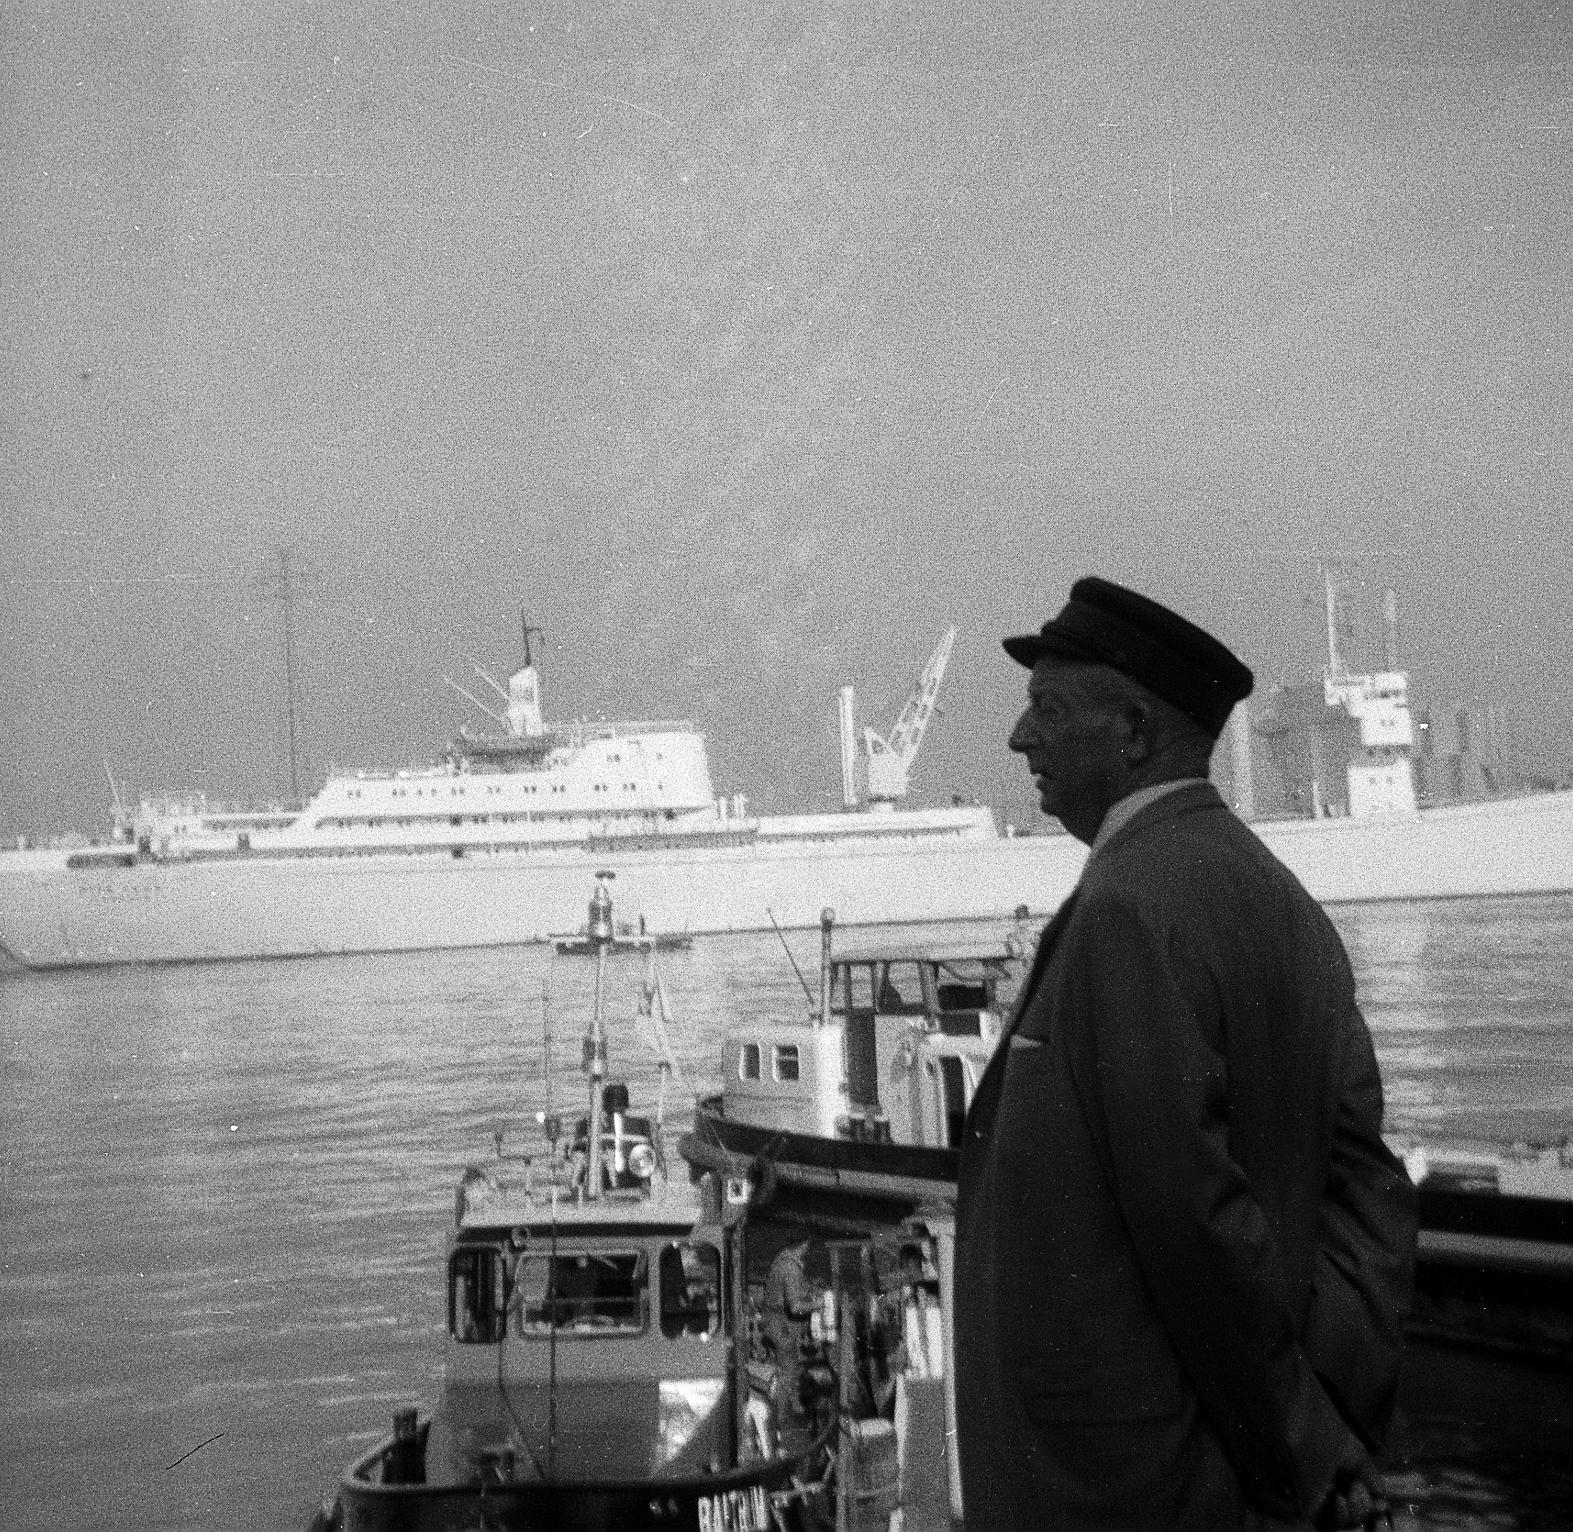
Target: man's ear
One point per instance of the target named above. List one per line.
(1136, 745)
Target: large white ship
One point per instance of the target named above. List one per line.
(494, 845)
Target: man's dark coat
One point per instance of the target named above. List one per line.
(1183, 1249)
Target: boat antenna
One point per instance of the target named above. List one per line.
(792, 960)
(120, 807)
(654, 1008)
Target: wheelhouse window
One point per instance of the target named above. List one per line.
(785, 1061)
(476, 1303)
(690, 1291)
(898, 989)
(748, 1062)
(852, 988)
(580, 1291)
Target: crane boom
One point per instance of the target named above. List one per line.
(890, 761)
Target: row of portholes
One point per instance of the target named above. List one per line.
(609, 824)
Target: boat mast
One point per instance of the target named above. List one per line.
(600, 933)
(827, 924)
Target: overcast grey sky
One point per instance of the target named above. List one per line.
(746, 347)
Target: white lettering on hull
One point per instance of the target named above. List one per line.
(737, 1510)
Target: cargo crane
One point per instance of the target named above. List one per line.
(888, 762)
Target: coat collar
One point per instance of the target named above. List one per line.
(1120, 814)
(1197, 792)
(1194, 793)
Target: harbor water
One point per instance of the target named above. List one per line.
(224, 1189)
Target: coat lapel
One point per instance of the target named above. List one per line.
(1046, 942)
(980, 1115)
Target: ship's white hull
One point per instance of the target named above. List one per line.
(1504, 846)
(53, 916)
(174, 912)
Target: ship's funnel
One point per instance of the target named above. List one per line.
(524, 703)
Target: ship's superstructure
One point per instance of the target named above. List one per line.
(537, 786)
(1345, 746)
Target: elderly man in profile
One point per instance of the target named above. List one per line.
(1184, 1252)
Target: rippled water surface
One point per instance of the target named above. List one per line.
(226, 1188)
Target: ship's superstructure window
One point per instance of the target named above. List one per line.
(785, 1061)
(748, 1062)
(477, 1305)
(581, 1290)
(690, 1291)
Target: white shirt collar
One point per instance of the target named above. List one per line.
(1121, 813)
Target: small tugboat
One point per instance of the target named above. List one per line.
(850, 1120)
(856, 1113)
(862, 1104)
(626, 937)
(600, 1366)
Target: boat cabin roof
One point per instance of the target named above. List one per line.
(504, 1198)
(888, 951)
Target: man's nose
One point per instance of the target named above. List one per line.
(1021, 736)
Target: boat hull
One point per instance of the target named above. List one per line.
(883, 1182)
(52, 916)
(142, 910)
(739, 1498)
(1495, 1269)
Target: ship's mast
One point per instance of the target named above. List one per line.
(528, 629)
(1335, 663)
(524, 690)
(284, 592)
(289, 670)
(1389, 629)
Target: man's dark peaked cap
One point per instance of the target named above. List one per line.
(1104, 623)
